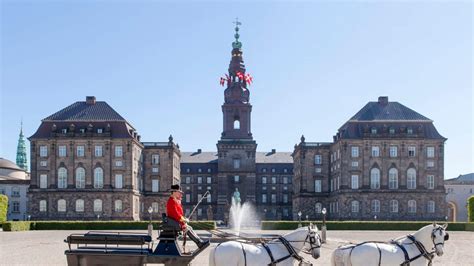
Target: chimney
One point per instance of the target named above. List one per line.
(199, 151)
(383, 100)
(273, 150)
(90, 100)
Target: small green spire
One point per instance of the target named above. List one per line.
(236, 44)
(21, 159)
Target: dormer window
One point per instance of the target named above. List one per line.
(373, 130)
(410, 130)
(99, 131)
(392, 130)
(82, 130)
(264, 170)
(64, 130)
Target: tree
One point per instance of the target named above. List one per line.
(3, 208)
(470, 209)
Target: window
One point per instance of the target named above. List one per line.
(318, 207)
(274, 180)
(264, 179)
(354, 181)
(43, 151)
(43, 181)
(317, 159)
(98, 178)
(285, 212)
(80, 177)
(236, 179)
(209, 198)
(118, 151)
(430, 164)
(155, 185)
(373, 130)
(430, 152)
(264, 170)
(285, 170)
(62, 151)
(393, 151)
(97, 205)
(118, 181)
(431, 206)
(188, 180)
(236, 163)
(80, 205)
(42, 206)
(394, 206)
(430, 179)
(62, 177)
(118, 206)
(317, 186)
(273, 170)
(355, 206)
(375, 151)
(98, 151)
(15, 206)
(188, 198)
(100, 130)
(285, 180)
(376, 206)
(411, 178)
(118, 163)
(188, 170)
(44, 163)
(236, 124)
(285, 198)
(80, 151)
(199, 179)
(355, 164)
(209, 180)
(355, 152)
(264, 198)
(375, 178)
(393, 178)
(391, 130)
(412, 206)
(155, 159)
(61, 205)
(209, 170)
(410, 130)
(274, 198)
(154, 206)
(15, 191)
(317, 170)
(411, 151)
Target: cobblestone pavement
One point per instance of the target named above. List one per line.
(47, 247)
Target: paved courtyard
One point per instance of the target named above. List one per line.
(47, 247)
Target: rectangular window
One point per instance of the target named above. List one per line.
(393, 151)
(236, 163)
(375, 151)
(155, 170)
(199, 179)
(155, 185)
(16, 206)
(430, 164)
(274, 198)
(355, 152)
(285, 180)
(80, 151)
(355, 182)
(355, 164)
(42, 206)
(119, 163)
(274, 180)
(155, 159)
(317, 169)
(285, 198)
(317, 186)
(431, 206)
(118, 181)
(430, 180)
(209, 180)
(43, 151)
(98, 151)
(44, 163)
(62, 151)
(264, 198)
(199, 212)
(411, 151)
(430, 152)
(118, 151)
(188, 180)
(264, 179)
(188, 198)
(199, 197)
(100, 130)
(209, 198)
(317, 159)
(43, 181)
(236, 179)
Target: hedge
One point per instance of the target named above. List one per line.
(470, 209)
(94, 225)
(359, 225)
(3, 208)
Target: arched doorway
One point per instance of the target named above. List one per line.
(452, 211)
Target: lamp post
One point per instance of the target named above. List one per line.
(299, 219)
(375, 217)
(307, 217)
(29, 217)
(98, 217)
(150, 225)
(323, 228)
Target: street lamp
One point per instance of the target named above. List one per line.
(375, 217)
(29, 217)
(150, 225)
(98, 217)
(307, 216)
(299, 219)
(323, 228)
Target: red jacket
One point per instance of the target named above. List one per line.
(175, 211)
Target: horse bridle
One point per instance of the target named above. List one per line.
(433, 236)
(312, 241)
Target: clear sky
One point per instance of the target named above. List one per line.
(315, 64)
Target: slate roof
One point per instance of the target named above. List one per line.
(7, 164)
(461, 179)
(261, 157)
(377, 111)
(81, 111)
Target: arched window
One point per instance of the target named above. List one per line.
(355, 206)
(393, 178)
(80, 177)
(376, 206)
(62, 177)
(431, 206)
(80, 205)
(97, 205)
(62, 205)
(43, 207)
(411, 178)
(412, 206)
(118, 206)
(318, 207)
(375, 178)
(236, 124)
(394, 206)
(98, 178)
(154, 206)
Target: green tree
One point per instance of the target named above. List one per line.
(3, 208)
(470, 209)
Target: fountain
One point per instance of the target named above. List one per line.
(241, 215)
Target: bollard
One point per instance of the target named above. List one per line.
(323, 234)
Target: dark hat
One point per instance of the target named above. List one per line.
(176, 188)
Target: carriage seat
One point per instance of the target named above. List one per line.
(169, 227)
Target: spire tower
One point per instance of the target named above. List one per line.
(21, 159)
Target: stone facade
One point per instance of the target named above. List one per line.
(459, 190)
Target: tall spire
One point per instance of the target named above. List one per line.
(21, 159)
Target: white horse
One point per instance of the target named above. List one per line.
(414, 250)
(282, 251)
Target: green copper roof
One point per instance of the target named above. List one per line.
(21, 159)
(236, 44)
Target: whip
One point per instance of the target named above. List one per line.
(199, 202)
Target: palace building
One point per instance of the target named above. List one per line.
(385, 163)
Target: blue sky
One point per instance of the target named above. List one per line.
(315, 64)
